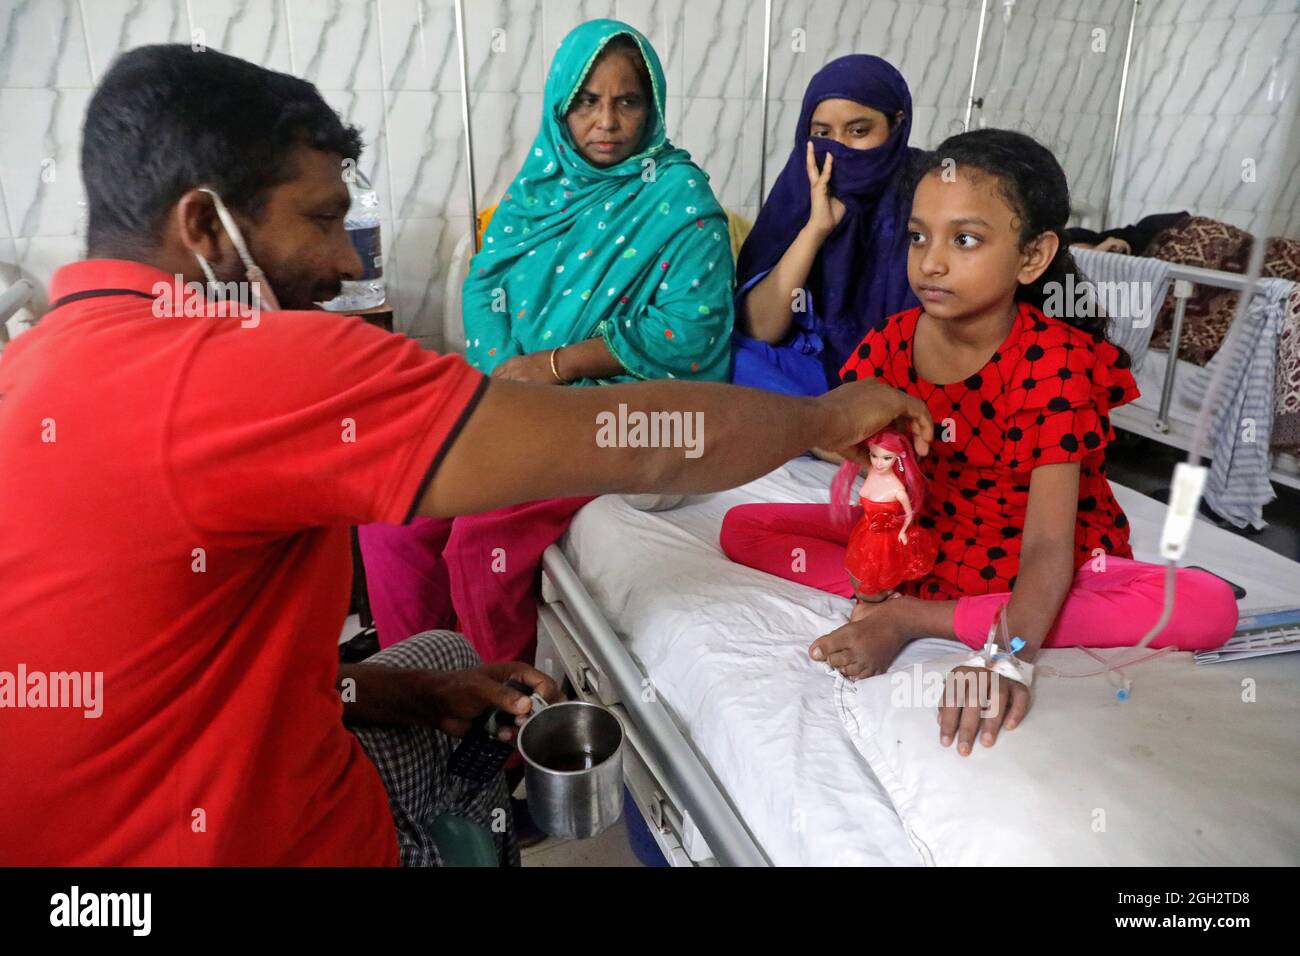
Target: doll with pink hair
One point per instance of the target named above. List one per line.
(886, 546)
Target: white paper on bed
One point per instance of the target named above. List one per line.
(1199, 766)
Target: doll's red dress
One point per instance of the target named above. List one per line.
(876, 559)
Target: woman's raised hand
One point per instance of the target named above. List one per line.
(826, 211)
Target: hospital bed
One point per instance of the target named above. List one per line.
(738, 749)
(1165, 410)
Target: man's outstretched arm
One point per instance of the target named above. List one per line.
(530, 442)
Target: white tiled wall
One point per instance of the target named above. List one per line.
(1213, 94)
(1052, 68)
(1212, 83)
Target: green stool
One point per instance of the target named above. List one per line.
(462, 843)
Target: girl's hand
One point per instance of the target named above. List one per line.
(902, 536)
(534, 368)
(975, 699)
(826, 211)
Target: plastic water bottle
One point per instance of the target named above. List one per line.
(362, 224)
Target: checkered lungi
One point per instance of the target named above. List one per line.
(412, 762)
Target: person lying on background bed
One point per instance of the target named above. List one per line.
(1017, 488)
(1131, 240)
(607, 260)
(826, 261)
(176, 491)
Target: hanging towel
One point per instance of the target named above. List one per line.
(1117, 278)
(1241, 423)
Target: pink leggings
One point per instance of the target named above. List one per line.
(1110, 608)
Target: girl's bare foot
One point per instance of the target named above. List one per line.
(868, 644)
(864, 603)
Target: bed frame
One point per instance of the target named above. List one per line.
(1158, 425)
(689, 816)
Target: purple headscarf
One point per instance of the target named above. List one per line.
(860, 275)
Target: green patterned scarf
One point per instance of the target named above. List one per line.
(636, 253)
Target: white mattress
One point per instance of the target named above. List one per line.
(726, 649)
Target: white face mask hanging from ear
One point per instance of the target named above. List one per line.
(263, 295)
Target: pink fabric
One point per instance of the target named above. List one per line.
(476, 573)
(1110, 608)
(406, 577)
(796, 542)
(495, 591)
(1117, 606)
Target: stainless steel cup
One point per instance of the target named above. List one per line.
(573, 768)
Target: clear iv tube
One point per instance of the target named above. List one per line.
(1211, 402)
(1166, 612)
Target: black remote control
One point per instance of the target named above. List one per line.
(480, 756)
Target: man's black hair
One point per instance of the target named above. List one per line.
(166, 119)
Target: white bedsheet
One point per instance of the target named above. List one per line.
(726, 649)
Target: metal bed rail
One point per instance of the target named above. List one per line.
(710, 810)
(1286, 466)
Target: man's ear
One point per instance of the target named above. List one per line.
(197, 226)
(1038, 256)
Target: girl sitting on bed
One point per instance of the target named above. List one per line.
(1017, 492)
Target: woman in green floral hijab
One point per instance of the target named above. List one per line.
(608, 258)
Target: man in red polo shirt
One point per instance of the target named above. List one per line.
(176, 489)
